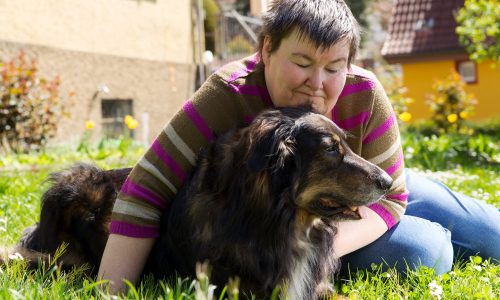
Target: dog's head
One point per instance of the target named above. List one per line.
(80, 198)
(306, 155)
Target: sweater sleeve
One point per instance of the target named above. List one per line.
(156, 178)
(381, 145)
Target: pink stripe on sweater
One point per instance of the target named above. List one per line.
(247, 69)
(396, 165)
(355, 121)
(131, 230)
(350, 89)
(382, 212)
(168, 160)
(198, 121)
(143, 193)
(379, 131)
(253, 90)
(401, 197)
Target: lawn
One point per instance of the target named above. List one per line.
(465, 163)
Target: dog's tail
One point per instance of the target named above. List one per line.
(30, 257)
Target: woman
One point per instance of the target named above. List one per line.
(305, 53)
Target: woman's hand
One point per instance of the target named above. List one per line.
(353, 235)
(123, 258)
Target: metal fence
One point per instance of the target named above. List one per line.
(236, 37)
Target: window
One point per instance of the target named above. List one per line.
(467, 70)
(113, 111)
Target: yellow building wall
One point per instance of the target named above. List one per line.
(419, 77)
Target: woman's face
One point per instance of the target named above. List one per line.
(298, 73)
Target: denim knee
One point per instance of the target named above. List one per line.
(435, 252)
(412, 243)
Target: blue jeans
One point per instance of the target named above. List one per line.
(439, 226)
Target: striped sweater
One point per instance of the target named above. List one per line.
(231, 96)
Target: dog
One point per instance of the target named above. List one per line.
(262, 204)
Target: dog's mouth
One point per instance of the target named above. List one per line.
(334, 209)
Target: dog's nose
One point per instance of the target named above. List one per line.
(384, 181)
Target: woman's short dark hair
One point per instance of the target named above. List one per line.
(324, 22)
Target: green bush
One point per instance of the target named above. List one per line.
(478, 29)
(450, 104)
(30, 106)
(426, 148)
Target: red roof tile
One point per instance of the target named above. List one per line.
(422, 28)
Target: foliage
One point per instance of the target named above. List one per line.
(475, 279)
(30, 105)
(239, 45)
(445, 152)
(396, 91)
(358, 8)
(479, 29)
(450, 104)
(210, 24)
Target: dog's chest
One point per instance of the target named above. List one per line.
(314, 258)
(302, 276)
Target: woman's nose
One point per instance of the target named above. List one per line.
(315, 81)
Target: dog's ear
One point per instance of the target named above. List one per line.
(262, 150)
(50, 216)
(272, 145)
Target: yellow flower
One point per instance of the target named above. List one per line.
(464, 115)
(128, 119)
(452, 118)
(89, 125)
(132, 124)
(405, 116)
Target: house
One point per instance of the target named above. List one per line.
(422, 39)
(118, 57)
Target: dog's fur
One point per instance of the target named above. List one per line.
(262, 204)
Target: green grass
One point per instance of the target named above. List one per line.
(447, 158)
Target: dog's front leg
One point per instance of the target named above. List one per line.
(322, 236)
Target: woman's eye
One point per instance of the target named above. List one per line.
(331, 71)
(302, 65)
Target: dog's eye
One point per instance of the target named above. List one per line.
(333, 149)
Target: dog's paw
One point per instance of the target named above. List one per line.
(324, 290)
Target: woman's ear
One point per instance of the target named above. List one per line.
(266, 50)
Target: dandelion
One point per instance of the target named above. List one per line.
(16, 256)
(130, 122)
(128, 119)
(89, 125)
(463, 114)
(405, 116)
(435, 289)
(452, 118)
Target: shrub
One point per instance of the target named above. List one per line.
(396, 91)
(239, 45)
(30, 106)
(478, 29)
(450, 104)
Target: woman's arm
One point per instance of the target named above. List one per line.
(353, 235)
(124, 258)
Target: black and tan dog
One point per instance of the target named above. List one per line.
(262, 204)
